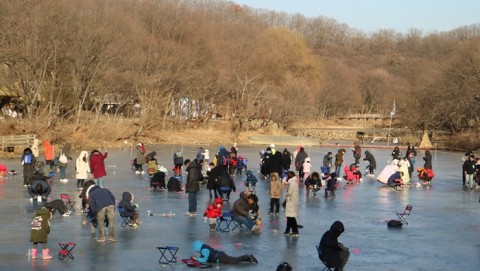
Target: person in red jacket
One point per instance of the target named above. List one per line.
(97, 166)
(213, 212)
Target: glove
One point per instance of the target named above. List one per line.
(136, 205)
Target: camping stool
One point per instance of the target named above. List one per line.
(66, 250)
(168, 258)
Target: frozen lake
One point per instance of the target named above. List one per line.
(443, 231)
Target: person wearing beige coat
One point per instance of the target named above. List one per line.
(275, 192)
(291, 208)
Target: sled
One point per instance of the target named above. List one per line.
(195, 263)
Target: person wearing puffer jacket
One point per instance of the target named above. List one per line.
(82, 169)
(39, 230)
(335, 254)
(213, 212)
(129, 209)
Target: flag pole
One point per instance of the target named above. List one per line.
(394, 109)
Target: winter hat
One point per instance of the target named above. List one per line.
(249, 173)
(272, 145)
(307, 159)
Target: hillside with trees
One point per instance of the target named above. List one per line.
(150, 60)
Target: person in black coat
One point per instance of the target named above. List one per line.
(373, 164)
(335, 254)
(286, 159)
(40, 188)
(428, 160)
(212, 175)
(28, 162)
(225, 185)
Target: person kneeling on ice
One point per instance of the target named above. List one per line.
(335, 254)
(211, 255)
(213, 212)
(129, 209)
(395, 179)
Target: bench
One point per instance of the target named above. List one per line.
(8, 143)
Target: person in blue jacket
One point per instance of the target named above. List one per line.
(211, 255)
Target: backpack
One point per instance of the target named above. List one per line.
(27, 159)
(223, 158)
(394, 223)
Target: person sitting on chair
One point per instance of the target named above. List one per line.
(241, 211)
(39, 188)
(129, 209)
(225, 185)
(211, 255)
(335, 254)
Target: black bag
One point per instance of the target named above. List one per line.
(394, 223)
(284, 204)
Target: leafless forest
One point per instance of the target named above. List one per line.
(66, 58)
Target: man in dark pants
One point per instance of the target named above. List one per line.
(194, 175)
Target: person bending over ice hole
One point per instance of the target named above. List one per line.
(313, 183)
(94, 222)
(331, 181)
(335, 254)
(213, 212)
(129, 209)
(395, 180)
(211, 255)
(39, 188)
(241, 211)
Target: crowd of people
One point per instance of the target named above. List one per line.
(283, 173)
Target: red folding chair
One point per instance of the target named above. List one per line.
(70, 204)
(66, 250)
(403, 216)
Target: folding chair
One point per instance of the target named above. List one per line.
(168, 258)
(70, 204)
(125, 219)
(320, 256)
(224, 223)
(66, 250)
(403, 216)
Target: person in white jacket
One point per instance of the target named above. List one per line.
(82, 169)
(291, 206)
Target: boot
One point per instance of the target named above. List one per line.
(34, 253)
(45, 254)
(212, 227)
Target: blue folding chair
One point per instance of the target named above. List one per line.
(126, 219)
(223, 224)
(322, 259)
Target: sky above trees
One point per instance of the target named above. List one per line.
(372, 15)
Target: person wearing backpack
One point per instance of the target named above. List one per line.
(28, 162)
(223, 158)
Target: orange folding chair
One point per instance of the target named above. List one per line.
(69, 203)
(403, 216)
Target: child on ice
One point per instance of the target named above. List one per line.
(251, 181)
(39, 230)
(213, 212)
